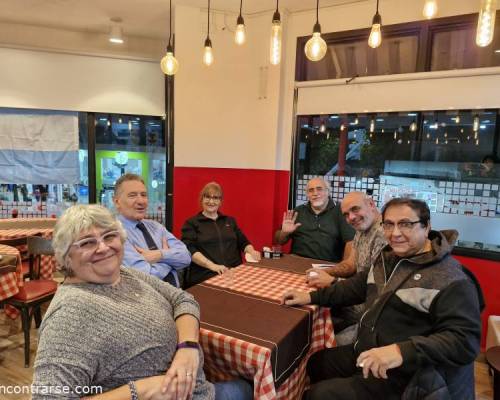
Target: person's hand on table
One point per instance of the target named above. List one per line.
(379, 359)
(255, 254)
(295, 298)
(220, 269)
(318, 278)
(289, 226)
(180, 379)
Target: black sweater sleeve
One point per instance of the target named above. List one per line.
(190, 236)
(240, 236)
(347, 292)
(456, 329)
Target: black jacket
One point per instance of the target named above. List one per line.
(428, 306)
(220, 240)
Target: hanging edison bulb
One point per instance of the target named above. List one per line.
(486, 23)
(315, 47)
(169, 64)
(240, 34)
(457, 119)
(322, 127)
(430, 9)
(413, 127)
(275, 45)
(208, 55)
(375, 38)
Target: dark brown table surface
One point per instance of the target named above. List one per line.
(290, 263)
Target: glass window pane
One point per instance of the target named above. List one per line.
(457, 49)
(446, 158)
(131, 144)
(396, 55)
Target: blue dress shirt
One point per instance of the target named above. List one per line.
(176, 257)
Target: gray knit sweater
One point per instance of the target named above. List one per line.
(103, 335)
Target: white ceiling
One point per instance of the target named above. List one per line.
(146, 18)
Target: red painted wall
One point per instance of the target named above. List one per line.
(256, 198)
(488, 274)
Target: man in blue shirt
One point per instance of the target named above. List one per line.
(149, 246)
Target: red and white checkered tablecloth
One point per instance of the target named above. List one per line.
(226, 356)
(12, 281)
(47, 264)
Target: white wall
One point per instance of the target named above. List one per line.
(225, 114)
(46, 80)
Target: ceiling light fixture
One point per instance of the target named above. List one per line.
(315, 47)
(240, 34)
(116, 33)
(486, 23)
(208, 55)
(169, 64)
(276, 30)
(430, 9)
(375, 38)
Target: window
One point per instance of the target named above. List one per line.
(447, 158)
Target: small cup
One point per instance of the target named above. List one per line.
(266, 251)
(276, 251)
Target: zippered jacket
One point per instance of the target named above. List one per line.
(428, 306)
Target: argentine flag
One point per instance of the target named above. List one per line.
(38, 147)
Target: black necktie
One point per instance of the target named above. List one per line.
(147, 236)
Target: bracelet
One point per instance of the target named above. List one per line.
(188, 344)
(133, 391)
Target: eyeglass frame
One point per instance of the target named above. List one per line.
(400, 224)
(98, 240)
(213, 198)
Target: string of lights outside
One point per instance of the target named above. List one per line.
(316, 47)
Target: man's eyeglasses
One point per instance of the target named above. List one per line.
(213, 198)
(403, 226)
(91, 244)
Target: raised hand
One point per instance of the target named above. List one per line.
(289, 226)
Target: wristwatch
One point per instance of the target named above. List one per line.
(188, 344)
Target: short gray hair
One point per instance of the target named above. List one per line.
(76, 220)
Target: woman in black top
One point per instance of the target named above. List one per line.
(214, 239)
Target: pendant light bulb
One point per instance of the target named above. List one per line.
(430, 9)
(315, 47)
(240, 34)
(486, 23)
(276, 31)
(475, 124)
(208, 55)
(169, 64)
(413, 127)
(375, 38)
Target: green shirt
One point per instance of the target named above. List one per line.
(321, 235)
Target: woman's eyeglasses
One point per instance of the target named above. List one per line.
(403, 226)
(213, 198)
(91, 244)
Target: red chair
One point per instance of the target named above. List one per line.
(28, 301)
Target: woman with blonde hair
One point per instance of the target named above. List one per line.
(213, 238)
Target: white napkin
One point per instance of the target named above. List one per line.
(323, 265)
(249, 258)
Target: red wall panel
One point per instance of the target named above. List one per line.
(488, 274)
(256, 198)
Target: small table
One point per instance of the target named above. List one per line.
(12, 281)
(47, 263)
(245, 331)
(493, 359)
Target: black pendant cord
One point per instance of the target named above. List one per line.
(208, 20)
(170, 29)
(317, 11)
(241, 5)
(377, 6)
(277, 5)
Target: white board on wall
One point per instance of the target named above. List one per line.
(55, 81)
